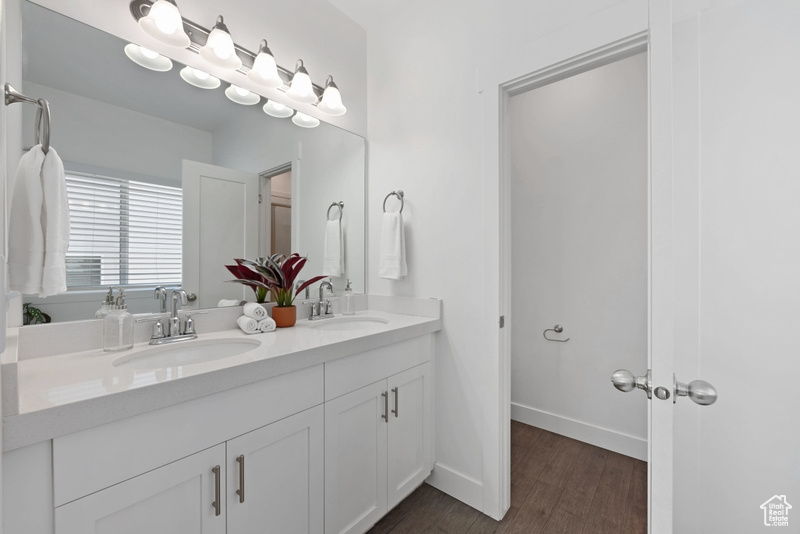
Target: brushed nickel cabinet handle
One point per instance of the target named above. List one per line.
(396, 395)
(240, 491)
(217, 504)
(385, 414)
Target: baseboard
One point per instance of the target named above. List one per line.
(601, 437)
(457, 485)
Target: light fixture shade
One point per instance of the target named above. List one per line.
(305, 121)
(276, 109)
(301, 90)
(219, 49)
(265, 70)
(147, 58)
(331, 100)
(198, 78)
(164, 23)
(242, 96)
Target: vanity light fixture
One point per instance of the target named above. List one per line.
(301, 89)
(144, 57)
(219, 50)
(198, 78)
(331, 102)
(265, 70)
(242, 96)
(164, 23)
(305, 121)
(278, 110)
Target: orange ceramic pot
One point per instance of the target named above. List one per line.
(284, 316)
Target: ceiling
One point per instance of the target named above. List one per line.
(367, 13)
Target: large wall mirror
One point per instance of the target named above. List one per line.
(114, 122)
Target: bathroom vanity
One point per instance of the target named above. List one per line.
(320, 428)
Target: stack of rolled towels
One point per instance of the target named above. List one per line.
(255, 319)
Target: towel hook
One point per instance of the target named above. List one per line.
(12, 96)
(339, 205)
(557, 329)
(399, 194)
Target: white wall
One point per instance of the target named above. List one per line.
(434, 75)
(328, 166)
(579, 253)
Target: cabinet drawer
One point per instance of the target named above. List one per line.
(99, 457)
(354, 372)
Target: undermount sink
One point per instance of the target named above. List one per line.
(186, 353)
(348, 323)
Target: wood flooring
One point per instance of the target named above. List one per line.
(558, 486)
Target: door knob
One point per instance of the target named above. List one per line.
(624, 381)
(700, 391)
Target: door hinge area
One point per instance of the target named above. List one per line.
(260, 198)
(502, 321)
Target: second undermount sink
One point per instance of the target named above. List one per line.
(186, 353)
(348, 323)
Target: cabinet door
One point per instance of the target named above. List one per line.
(355, 460)
(280, 468)
(174, 499)
(410, 432)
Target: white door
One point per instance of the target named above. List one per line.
(410, 458)
(220, 223)
(726, 258)
(275, 477)
(175, 499)
(355, 459)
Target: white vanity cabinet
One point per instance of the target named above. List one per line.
(379, 437)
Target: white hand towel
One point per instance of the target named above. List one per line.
(254, 310)
(248, 324)
(266, 325)
(39, 225)
(56, 228)
(392, 258)
(333, 260)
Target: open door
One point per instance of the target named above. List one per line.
(725, 227)
(220, 223)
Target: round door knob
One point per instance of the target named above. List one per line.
(623, 380)
(700, 391)
(191, 297)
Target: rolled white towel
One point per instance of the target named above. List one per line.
(248, 324)
(254, 310)
(266, 325)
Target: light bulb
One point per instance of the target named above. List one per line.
(278, 110)
(219, 49)
(305, 121)
(301, 89)
(331, 99)
(241, 96)
(265, 70)
(164, 23)
(147, 58)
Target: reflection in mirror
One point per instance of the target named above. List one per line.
(136, 132)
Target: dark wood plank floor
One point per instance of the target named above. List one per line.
(558, 486)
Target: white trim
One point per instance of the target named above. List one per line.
(465, 489)
(572, 428)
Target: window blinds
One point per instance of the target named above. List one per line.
(122, 233)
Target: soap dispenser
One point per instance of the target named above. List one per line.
(106, 306)
(118, 326)
(348, 301)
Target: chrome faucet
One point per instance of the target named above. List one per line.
(322, 309)
(161, 295)
(174, 320)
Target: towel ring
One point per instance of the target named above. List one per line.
(399, 194)
(339, 205)
(557, 329)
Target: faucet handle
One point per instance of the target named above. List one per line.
(158, 326)
(188, 327)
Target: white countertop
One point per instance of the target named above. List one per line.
(66, 393)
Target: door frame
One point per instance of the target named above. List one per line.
(609, 53)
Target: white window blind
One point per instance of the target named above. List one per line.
(122, 232)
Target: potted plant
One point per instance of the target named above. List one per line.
(275, 275)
